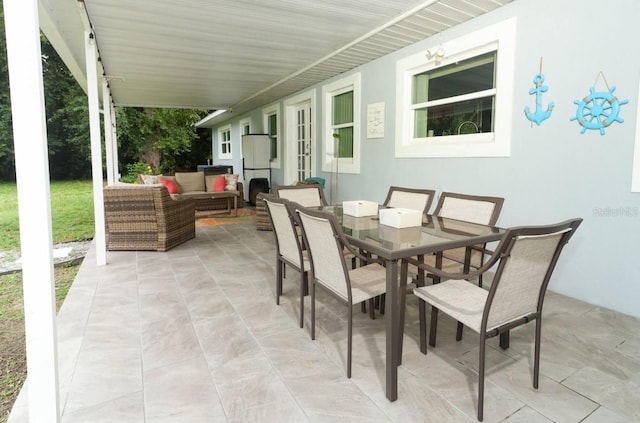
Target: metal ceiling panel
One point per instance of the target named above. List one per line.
(239, 54)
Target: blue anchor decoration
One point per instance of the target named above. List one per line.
(539, 115)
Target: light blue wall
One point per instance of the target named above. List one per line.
(554, 172)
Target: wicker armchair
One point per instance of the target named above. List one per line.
(140, 217)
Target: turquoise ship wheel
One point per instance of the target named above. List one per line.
(598, 110)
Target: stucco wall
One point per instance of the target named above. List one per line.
(554, 172)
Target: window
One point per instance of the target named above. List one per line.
(224, 142)
(458, 105)
(341, 116)
(456, 99)
(342, 123)
(271, 121)
(245, 126)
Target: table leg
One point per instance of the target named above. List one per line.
(235, 204)
(392, 330)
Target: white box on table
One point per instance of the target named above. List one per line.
(359, 208)
(400, 218)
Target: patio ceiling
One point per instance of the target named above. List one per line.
(238, 54)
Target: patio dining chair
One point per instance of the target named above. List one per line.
(410, 198)
(311, 195)
(525, 259)
(407, 198)
(289, 249)
(326, 244)
(482, 210)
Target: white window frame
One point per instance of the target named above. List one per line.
(245, 123)
(221, 140)
(500, 38)
(273, 109)
(345, 165)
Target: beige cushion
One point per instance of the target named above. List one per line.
(190, 181)
(208, 182)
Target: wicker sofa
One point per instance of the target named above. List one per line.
(145, 217)
(195, 184)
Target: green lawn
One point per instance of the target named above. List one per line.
(71, 213)
(72, 220)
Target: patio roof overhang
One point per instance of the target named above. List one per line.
(228, 54)
(237, 54)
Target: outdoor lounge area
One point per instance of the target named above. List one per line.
(194, 335)
(489, 98)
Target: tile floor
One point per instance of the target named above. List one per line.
(194, 335)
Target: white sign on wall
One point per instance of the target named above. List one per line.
(375, 120)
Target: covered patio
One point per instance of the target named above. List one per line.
(194, 335)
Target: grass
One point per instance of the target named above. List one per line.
(72, 220)
(71, 213)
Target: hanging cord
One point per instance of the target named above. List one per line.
(601, 74)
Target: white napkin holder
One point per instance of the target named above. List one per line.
(400, 218)
(359, 208)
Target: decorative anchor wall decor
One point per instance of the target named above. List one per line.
(539, 115)
(598, 110)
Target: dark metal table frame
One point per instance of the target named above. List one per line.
(436, 234)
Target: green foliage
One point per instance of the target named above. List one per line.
(159, 137)
(71, 209)
(135, 169)
(7, 168)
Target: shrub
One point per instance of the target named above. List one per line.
(135, 169)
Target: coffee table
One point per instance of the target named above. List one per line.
(229, 195)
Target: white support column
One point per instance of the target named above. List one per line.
(114, 137)
(91, 54)
(32, 174)
(108, 133)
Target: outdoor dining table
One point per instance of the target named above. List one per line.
(392, 244)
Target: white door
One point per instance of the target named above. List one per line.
(304, 146)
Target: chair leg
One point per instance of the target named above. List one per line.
(313, 310)
(504, 340)
(433, 330)
(363, 306)
(303, 283)
(372, 311)
(383, 298)
(349, 341)
(483, 346)
(459, 331)
(279, 269)
(536, 359)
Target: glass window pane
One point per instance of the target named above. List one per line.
(464, 117)
(273, 125)
(464, 77)
(345, 142)
(343, 108)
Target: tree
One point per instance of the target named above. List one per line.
(7, 166)
(67, 110)
(162, 138)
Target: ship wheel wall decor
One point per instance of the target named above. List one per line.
(598, 110)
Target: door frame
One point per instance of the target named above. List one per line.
(290, 138)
